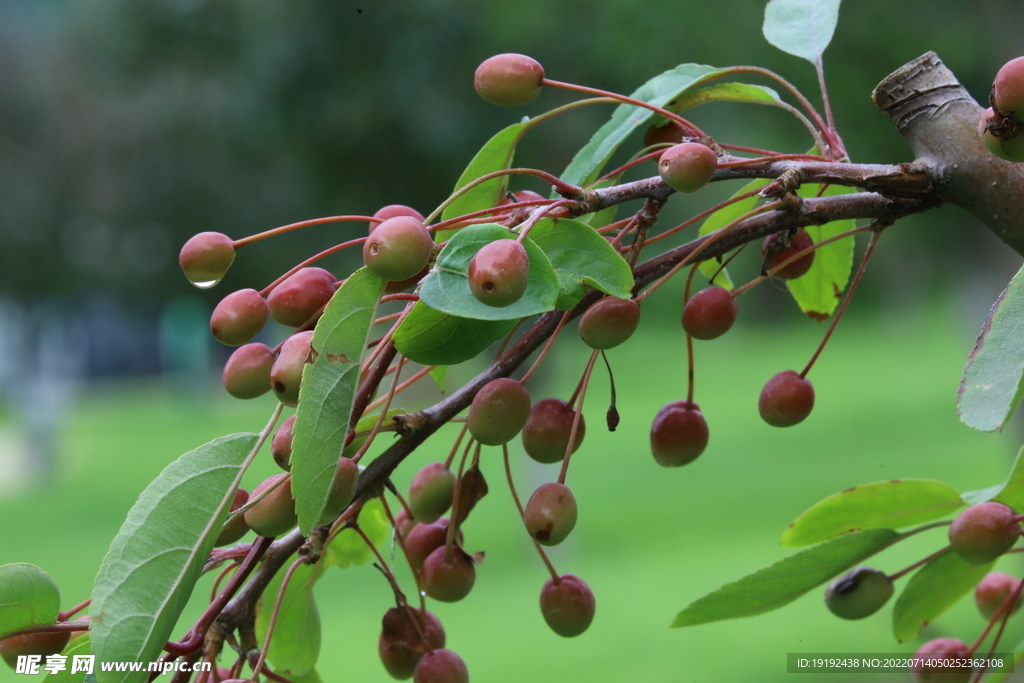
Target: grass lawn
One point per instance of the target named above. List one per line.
(649, 540)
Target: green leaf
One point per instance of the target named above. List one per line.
(818, 291)
(932, 590)
(328, 390)
(365, 425)
(581, 258)
(786, 580)
(348, 547)
(446, 289)
(723, 217)
(991, 386)
(723, 92)
(882, 505)
(156, 558)
(430, 337)
(28, 597)
(78, 646)
(588, 162)
(295, 645)
(802, 28)
(495, 155)
(439, 373)
(1010, 492)
(309, 677)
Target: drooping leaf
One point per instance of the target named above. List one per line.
(721, 218)
(28, 597)
(446, 289)
(882, 505)
(932, 590)
(802, 28)
(581, 258)
(79, 646)
(1010, 492)
(328, 390)
(819, 290)
(588, 162)
(348, 548)
(472, 489)
(495, 155)
(295, 645)
(992, 383)
(431, 337)
(786, 580)
(438, 374)
(156, 558)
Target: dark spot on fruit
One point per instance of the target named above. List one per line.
(544, 533)
(279, 387)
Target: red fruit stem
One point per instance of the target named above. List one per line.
(387, 318)
(1004, 611)
(370, 381)
(258, 668)
(561, 186)
(220, 577)
(581, 390)
(693, 130)
(402, 296)
(903, 572)
(846, 299)
(636, 161)
(540, 213)
(831, 132)
(454, 523)
(631, 224)
(764, 152)
(301, 224)
(59, 627)
(64, 616)
(399, 595)
(383, 413)
(508, 338)
(455, 448)
(488, 215)
(404, 385)
(689, 339)
(773, 157)
(522, 515)
(385, 341)
(703, 214)
(312, 259)
(544, 351)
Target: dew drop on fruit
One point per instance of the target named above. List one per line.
(205, 285)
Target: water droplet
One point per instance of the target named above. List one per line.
(205, 285)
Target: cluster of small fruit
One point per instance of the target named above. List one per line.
(1002, 123)
(979, 535)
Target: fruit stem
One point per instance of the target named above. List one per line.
(637, 159)
(547, 347)
(64, 616)
(773, 157)
(519, 506)
(691, 128)
(273, 616)
(312, 259)
(540, 213)
(220, 577)
(404, 385)
(561, 186)
(455, 448)
(301, 224)
(903, 572)
(766, 152)
(1004, 611)
(582, 392)
(702, 215)
(264, 435)
(508, 338)
(384, 341)
(402, 296)
(452, 526)
(612, 410)
(846, 299)
(383, 413)
(689, 339)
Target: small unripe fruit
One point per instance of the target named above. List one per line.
(393, 211)
(671, 133)
(247, 372)
(431, 492)
(398, 248)
(993, 590)
(520, 214)
(441, 666)
(550, 514)
(43, 644)
(773, 255)
(1003, 135)
(859, 593)
(274, 514)
(286, 374)
(786, 399)
(499, 273)
(404, 523)
(239, 317)
(234, 529)
(424, 539)
(609, 322)
(281, 445)
(983, 532)
(568, 605)
(499, 410)
(688, 166)
(709, 313)
(546, 432)
(941, 648)
(448, 580)
(1008, 88)
(509, 79)
(346, 478)
(300, 296)
(679, 434)
(206, 257)
(400, 646)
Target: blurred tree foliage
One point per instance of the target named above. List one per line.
(128, 125)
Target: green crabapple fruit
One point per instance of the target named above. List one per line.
(393, 211)
(431, 492)
(1008, 88)
(786, 399)
(993, 590)
(499, 410)
(983, 532)
(346, 478)
(441, 666)
(709, 313)
(234, 529)
(398, 248)
(274, 514)
(239, 317)
(509, 79)
(286, 374)
(42, 644)
(859, 593)
(424, 539)
(567, 605)
(550, 515)
(546, 432)
(300, 296)
(671, 133)
(499, 273)
(448, 579)
(400, 646)
(772, 253)
(679, 434)
(1002, 135)
(688, 166)
(247, 372)
(609, 322)
(206, 257)
(281, 445)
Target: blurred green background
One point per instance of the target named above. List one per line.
(126, 126)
